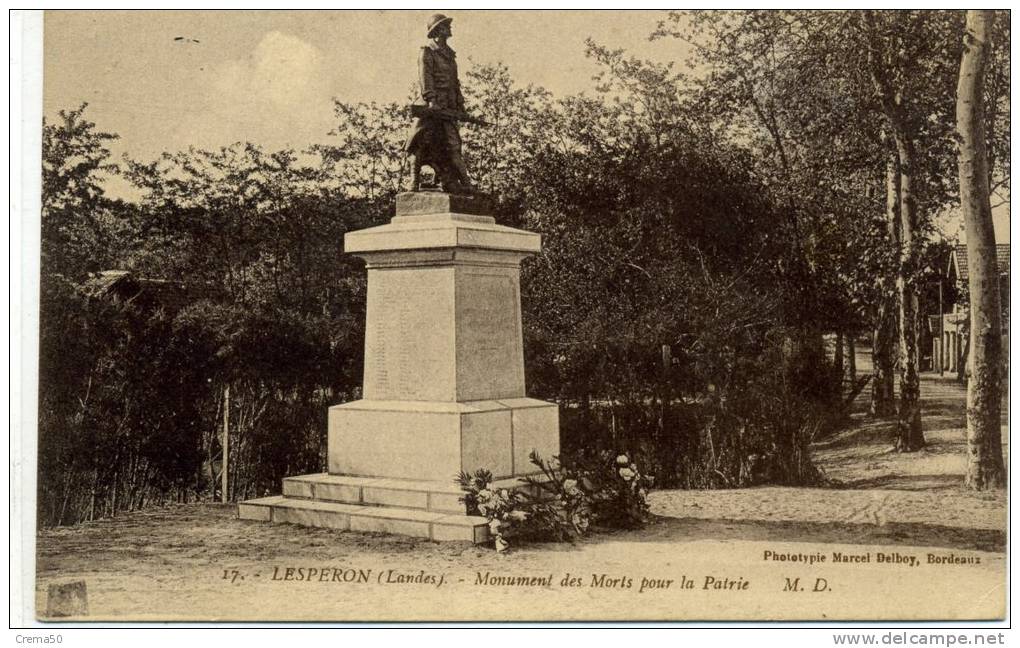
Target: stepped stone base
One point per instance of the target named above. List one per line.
(354, 517)
(421, 509)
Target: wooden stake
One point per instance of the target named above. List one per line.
(226, 438)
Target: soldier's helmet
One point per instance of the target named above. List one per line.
(435, 21)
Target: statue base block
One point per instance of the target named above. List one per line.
(437, 440)
(423, 203)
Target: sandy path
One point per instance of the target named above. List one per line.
(170, 565)
(877, 494)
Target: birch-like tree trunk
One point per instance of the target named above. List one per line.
(884, 346)
(984, 443)
(909, 435)
(884, 59)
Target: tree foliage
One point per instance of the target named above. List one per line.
(76, 214)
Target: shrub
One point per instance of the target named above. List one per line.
(615, 487)
(753, 426)
(516, 514)
(563, 504)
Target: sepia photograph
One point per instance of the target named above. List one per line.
(473, 316)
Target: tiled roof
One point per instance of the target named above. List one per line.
(104, 282)
(172, 295)
(959, 259)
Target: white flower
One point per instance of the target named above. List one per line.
(622, 460)
(518, 516)
(485, 493)
(627, 473)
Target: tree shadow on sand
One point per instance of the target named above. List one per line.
(863, 433)
(907, 534)
(939, 481)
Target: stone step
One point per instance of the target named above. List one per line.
(437, 526)
(431, 496)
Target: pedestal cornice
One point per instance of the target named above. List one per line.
(438, 232)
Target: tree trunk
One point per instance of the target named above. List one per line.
(224, 470)
(884, 58)
(113, 494)
(837, 360)
(92, 495)
(883, 349)
(909, 435)
(66, 496)
(961, 357)
(985, 468)
(851, 361)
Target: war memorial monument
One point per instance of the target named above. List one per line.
(444, 387)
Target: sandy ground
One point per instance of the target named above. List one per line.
(876, 494)
(924, 548)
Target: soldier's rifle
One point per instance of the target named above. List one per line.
(446, 114)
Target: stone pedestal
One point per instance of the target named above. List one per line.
(444, 365)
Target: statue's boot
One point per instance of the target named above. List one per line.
(464, 184)
(415, 172)
(448, 179)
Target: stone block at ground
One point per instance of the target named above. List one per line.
(435, 441)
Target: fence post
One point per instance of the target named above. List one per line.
(226, 439)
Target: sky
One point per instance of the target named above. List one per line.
(166, 80)
(270, 76)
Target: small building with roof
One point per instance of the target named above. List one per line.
(950, 331)
(148, 294)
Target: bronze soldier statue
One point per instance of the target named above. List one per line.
(435, 138)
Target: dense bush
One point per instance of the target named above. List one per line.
(235, 285)
(568, 498)
(755, 432)
(121, 409)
